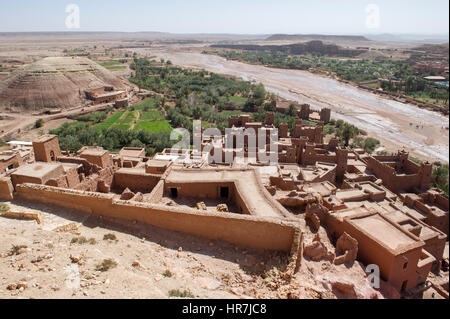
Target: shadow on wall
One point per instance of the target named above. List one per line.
(253, 261)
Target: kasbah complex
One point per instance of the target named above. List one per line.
(377, 210)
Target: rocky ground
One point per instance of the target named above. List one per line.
(76, 255)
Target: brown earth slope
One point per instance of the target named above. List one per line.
(54, 82)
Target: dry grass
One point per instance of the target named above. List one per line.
(15, 249)
(109, 237)
(180, 294)
(106, 265)
(83, 240)
(4, 207)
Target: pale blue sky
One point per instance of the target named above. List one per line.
(228, 16)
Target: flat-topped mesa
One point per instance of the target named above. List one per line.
(60, 83)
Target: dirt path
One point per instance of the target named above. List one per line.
(137, 116)
(22, 122)
(397, 125)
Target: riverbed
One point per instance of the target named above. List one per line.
(397, 125)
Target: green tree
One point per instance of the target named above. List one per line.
(39, 123)
(259, 92)
(347, 134)
(370, 144)
(292, 110)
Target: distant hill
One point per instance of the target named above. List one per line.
(54, 82)
(307, 37)
(409, 38)
(311, 47)
(127, 36)
(442, 49)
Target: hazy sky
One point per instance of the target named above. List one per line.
(230, 16)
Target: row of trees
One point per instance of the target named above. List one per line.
(72, 136)
(352, 70)
(416, 86)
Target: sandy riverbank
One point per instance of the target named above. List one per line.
(424, 133)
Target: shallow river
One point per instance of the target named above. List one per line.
(397, 125)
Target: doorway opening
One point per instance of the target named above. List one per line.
(224, 192)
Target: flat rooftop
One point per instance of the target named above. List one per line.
(132, 151)
(44, 138)
(114, 93)
(6, 157)
(323, 188)
(20, 143)
(383, 231)
(309, 173)
(39, 169)
(351, 194)
(93, 152)
(157, 163)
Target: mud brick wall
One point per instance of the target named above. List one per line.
(264, 233)
(6, 188)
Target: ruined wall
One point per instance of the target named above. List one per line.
(15, 160)
(238, 229)
(17, 179)
(436, 219)
(325, 115)
(341, 161)
(411, 167)
(102, 161)
(289, 156)
(72, 177)
(90, 183)
(282, 183)
(442, 201)
(329, 176)
(6, 188)
(240, 202)
(383, 172)
(201, 190)
(313, 133)
(409, 275)
(304, 111)
(157, 193)
(87, 167)
(391, 180)
(136, 182)
(270, 118)
(435, 246)
(283, 130)
(238, 120)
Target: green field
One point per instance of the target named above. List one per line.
(110, 121)
(145, 116)
(113, 65)
(153, 126)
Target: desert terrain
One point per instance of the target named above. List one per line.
(397, 125)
